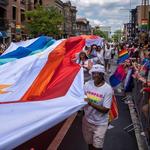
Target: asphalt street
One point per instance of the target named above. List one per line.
(116, 138)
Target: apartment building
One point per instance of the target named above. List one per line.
(83, 26)
(3, 19)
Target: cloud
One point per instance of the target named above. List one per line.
(97, 2)
(112, 13)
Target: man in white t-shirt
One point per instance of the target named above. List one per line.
(99, 59)
(99, 98)
(107, 57)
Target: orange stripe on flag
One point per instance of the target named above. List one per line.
(58, 70)
(123, 52)
(113, 113)
(46, 73)
(89, 37)
(57, 75)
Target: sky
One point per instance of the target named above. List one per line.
(112, 13)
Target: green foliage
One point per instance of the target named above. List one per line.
(117, 35)
(101, 34)
(44, 21)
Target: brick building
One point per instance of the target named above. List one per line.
(83, 26)
(12, 17)
(3, 19)
(16, 18)
(69, 19)
(60, 6)
(68, 28)
(140, 18)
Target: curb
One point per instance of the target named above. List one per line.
(140, 139)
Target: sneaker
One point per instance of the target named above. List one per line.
(142, 133)
(119, 90)
(109, 71)
(127, 102)
(110, 127)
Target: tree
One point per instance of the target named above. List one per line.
(117, 35)
(44, 20)
(100, 33)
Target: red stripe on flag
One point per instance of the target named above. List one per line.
(67, 71)
(62, 76)
(113, 113)
(123, 52)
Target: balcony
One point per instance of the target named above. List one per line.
(4, 2)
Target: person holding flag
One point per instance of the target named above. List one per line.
(99, 97)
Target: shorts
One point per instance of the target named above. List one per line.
(94, 134)
(107, 61)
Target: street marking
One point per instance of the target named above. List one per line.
(61, 134)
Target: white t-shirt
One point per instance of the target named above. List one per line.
(107, 53)
(85, 64)
(99, 57)
(100, 96)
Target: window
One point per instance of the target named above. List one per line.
(23, 1)
(35, 2)
(14, 13)
(22, 15)
(40, 2)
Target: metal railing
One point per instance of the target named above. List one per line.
(142, 101)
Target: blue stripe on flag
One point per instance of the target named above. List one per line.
(122, 59)
(24, 51)
(39, 45)
(114, 81)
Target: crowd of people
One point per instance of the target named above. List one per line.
(139, 63)
(96, 62)
(3, 47)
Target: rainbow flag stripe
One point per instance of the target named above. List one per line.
(122, 56)
(122, 53)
